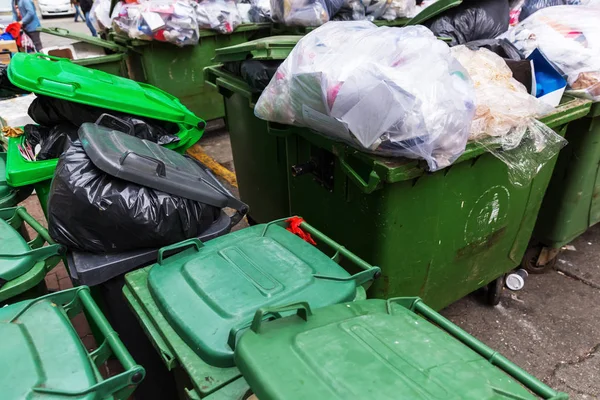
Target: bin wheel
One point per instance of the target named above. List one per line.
(529, 262)
(494, 291)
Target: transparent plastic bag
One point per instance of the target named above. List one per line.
(352, 10)
(172, 21)
(218, 15)
(375, 89)
(260, 11)
(305, 12)
(569, 36)
(400, 9)
(101, 15)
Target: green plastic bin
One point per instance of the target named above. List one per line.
(10, 196)
(24, 263)
(63, 79)
(43, 357)
(437, 235)
(93, 52)
(193, 305)
(179, 70)
(572, 201)
(375, 349)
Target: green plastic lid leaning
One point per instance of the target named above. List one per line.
(269, 48)
(60, 78)
(373, 349)
(209, 294)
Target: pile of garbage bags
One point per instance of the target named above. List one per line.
(377, 90)
(569, 37)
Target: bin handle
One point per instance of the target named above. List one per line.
(49, 57)
(279, 132)
(417, 306)
(115, 123)
(302, 309)
(365, 187)
(195, 242)
(123, 383)
(37, 248)
(161, 168)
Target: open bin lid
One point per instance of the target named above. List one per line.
(14, 260)
(209, 292)
(63, 79)
(40, 349)
(269, 48)
(146, 163)
(65, 33)
(370, 349)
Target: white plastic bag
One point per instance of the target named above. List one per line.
(569, 36)
(400, 9)
(375, 89)
(101, 15)
(505, 117)
(219, 15)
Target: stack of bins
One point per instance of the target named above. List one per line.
(179, 70)
(572, 201)
(43, 357)
(23, 262)
(196, 303)
(64, 80)
(375, 349)
(435, 235)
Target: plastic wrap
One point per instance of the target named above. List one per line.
(375, 89)
(218, 15)
(568, 36)
(472, 20)
(107, 214)
(51, 111)
(172, 21)
(305, 12)
(505, 117)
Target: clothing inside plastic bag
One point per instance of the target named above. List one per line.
(505, 117)
(89, 210)
(569, 37)
(7, 89)
(218, 15)
(173, 21)
(52, 141)
(305, 12)
(472, 20)
(375, 89)
(51, 111)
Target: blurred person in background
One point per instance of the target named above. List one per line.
(86, 7)
(24, 13)
(77, 10)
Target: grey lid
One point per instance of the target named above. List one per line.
(146, 163)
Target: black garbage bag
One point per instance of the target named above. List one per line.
(502, 47)
(53, 141)
(531, 6)
(472, 20)
(258, 74)
(7, 89)
(50, 111)
(89, 210)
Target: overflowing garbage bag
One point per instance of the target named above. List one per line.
(569, 37)
(505, 116)
(7, 89)
(377, 90)
(255, 11)
(221, 16)
(52, 111)
(173, 21)
(305, 12)
(472, 20)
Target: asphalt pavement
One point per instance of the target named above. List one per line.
(64, 24)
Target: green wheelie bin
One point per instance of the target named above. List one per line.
(572, 201)
(24, 263)
(179, 70)
(90, 51)
(43, 357)
(438, 235)
(375, 349)
(194, 304)
(10, 196)
(62, 79)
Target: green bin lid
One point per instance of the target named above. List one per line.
(210, 293)
(7, 193)
(14, 260)
(370, 349)
(82, 37)
(269, 48)
(63, 79)
(40, 349)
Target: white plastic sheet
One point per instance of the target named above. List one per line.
(376, 89)
(569, 36)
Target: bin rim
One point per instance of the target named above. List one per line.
(63, 32)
